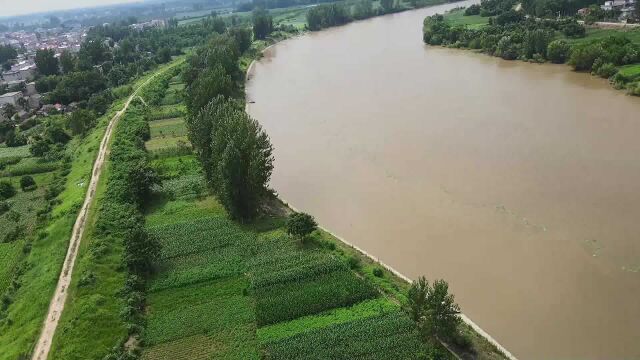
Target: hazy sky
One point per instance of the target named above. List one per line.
(17, 7)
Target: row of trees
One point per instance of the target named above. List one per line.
(235, 152)
(262, 24)
(120, 218)
(335, 14)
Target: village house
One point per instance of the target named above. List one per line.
(626, 7)
(10, 98)
(24, 73)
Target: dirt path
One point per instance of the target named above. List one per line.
(58, 301)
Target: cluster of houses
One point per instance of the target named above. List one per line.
(25, 101)
(59, 39)
(149, 24)
(21, 95)
(626, 7)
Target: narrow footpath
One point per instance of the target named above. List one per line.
(56, 306)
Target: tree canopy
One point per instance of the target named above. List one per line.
(46, 62)
(301, 225)
(262, 24)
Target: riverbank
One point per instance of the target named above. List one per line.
(393, 283)
(475, 135)
(228, 290)
(609, 53)
(396, 284)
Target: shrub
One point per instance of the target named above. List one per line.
(583, 56)
(301, 225)
(606, 70)
(558, 51)
(378, 272)
(573, 30)
(472, 10)
(6, 190)
(27, 183)
(354, 262)
(4, 207)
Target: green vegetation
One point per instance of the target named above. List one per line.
(365, 309)
(387, 336)
(233, 148)
(288, 301)
(249, 290)
(460, 17)
(187, 254)
(340, 13)
(497, 28)
(114, 256)
(10, 254)
(301, 225)
(40, 258)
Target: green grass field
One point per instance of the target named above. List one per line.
(168, 128)
(594, 33)
(456, 17)
(20, 151)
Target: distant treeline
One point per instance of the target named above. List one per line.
(274, 4)
(513, 36)
(335, 14)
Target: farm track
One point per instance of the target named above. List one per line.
(43, 346)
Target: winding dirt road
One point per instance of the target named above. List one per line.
(59, 297)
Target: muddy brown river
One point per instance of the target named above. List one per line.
(518, 183)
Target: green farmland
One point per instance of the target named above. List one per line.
(225, 290)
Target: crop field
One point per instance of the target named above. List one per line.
(20, 151)
(596, 33)
(160, 143)
(168, 132)
(456, 17)
(291, 300)
(21, 217)
(19, 212)
(225, 290)
(387, 336)
(10, 254)
(176, 166)
(362, 310)
(29, 166)
(167, 112)
(223, 286)
(168, 128)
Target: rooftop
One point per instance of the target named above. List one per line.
(11, 94)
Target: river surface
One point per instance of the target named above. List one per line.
(518, 183)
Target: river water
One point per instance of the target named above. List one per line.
(518, 183)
